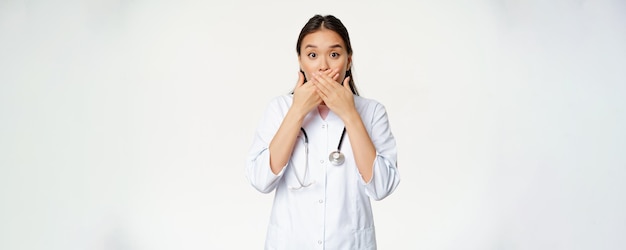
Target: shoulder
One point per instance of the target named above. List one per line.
(363, 103)
(281, 100)
(371, 111)
(280, 103)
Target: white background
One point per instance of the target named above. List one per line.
(126, 124)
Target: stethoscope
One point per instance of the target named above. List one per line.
(336, 158)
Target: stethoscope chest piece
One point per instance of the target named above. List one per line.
(336, 158)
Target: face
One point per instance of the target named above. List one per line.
(322, 50)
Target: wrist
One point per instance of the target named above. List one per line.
(296, 113)
(352, 118)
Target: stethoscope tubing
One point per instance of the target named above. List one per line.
(343, 134)
(336, 158)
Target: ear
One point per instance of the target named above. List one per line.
(349, 66)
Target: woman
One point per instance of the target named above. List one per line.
(325, 150)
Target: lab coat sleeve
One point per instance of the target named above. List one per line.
(258, 170)
(385, 178)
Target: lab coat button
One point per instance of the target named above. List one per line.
(321, 201)
(319, 242)
(322, 161)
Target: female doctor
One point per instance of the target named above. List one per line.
(324, 150)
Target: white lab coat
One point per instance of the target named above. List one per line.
(335, 211)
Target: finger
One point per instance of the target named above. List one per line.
(328, 72)
(333, 73)
(320, 82)
(322, 88)
(320, 92)
(325, 76)
(324, 80)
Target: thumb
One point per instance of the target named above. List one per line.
(300, 79)
(346, 83)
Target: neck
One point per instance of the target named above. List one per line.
(323, 110)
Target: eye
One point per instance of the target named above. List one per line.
(312, 55)
(334, 54)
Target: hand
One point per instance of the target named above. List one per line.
(305, 96)
(338, 98)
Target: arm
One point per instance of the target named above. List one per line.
(305, 98)
(375, 150)
(385, 177)
(341, 101)
(276, 135)
(258, 169)
(281, 147)
(362, 146)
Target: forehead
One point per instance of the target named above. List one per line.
(322, 38)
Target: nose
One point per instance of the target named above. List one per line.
(323, 66)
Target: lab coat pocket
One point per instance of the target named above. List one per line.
(276, 239)
(365, 239)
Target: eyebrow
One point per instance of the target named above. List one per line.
(331, 46)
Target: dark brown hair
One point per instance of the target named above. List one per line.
(331, 23)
